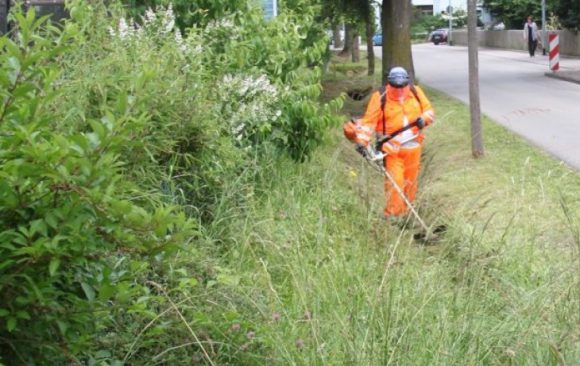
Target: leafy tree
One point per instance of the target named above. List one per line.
(425, 22)
(568, 12)
(358, 17)
(513, 13)
(370, 28)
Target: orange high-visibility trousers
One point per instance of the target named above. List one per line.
(404, 168)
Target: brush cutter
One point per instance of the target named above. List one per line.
(376, 157)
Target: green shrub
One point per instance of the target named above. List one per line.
(114, 139)
(73, 234)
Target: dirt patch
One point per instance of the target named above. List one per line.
(359, 94)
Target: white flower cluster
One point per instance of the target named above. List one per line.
(163, 20)
(156, 25)
(252, 104)
(220, 24)
(249, 87)
(126, 30)
(224, 27)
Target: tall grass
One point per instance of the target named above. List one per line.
(294, 265)
(321, 280)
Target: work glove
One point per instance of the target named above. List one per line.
(420, 123)
(349, 130)
(357, 132)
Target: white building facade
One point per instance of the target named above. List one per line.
(440, 6)
(270, 8)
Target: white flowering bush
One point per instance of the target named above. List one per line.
(250, 106)
(154, 24)
(286, 53)
(157, 27)
(257, 71)
(219, 30)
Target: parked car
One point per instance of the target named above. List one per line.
(378, 40)
(439, 36)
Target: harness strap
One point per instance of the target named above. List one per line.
(383, 92)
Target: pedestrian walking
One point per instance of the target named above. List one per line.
(531, 35)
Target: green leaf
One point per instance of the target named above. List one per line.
(62, 326)
(122, 206)
(98, 128)
(4, 313)
(122, 103)
(38, 227)
(22, 90)
(6, 263)
(11, 324)
(102, 354)
(51, 220)
(15, 65)
(23, 315)
(227, 279)
(106, 291)
(89, 291)
(53, 266)
(188, 283)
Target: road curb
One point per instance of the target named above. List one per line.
(562, 77)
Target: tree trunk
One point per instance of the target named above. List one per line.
(4, 9)
(355, 46)
(347, 49)
(396, 22)
(370, 30)
(336, 39)
(474, 105)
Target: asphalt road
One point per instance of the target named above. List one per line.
(514, 92)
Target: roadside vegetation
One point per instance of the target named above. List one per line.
(423, 24)
(561, 14)
(189, 199)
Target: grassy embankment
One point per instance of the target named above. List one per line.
(501, 287)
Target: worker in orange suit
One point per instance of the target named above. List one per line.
(389, 110)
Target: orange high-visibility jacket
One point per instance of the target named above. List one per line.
(402, 107)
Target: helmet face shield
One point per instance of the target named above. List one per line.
(398, 82)
(398, 77)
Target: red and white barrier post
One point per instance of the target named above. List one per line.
(554, 42)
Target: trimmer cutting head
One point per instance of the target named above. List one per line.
(432, 236)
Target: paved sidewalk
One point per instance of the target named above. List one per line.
(569, 66)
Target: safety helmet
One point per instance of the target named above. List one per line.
(398, 77)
